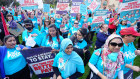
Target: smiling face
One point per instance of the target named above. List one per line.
(69, 49)
(113, 47)
(79, 35)
(9, 18)
(10, 42)
(52, 31)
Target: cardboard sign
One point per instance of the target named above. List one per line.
(83, 9)
(46, 7)
(17, 31)
(40, 60)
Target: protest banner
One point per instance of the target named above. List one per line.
(28, 4)
(46, 7)
(88, 2)
(16, 32)
(130, 11)
(62, 6)
(40, 60)
(83, 9)
(94, 5)
(75, 8)
(98, 19)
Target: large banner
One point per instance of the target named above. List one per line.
(40, 60)
(95, 5)
(130, 11)
(28, 4)
(62, 6)
(75, 8)
(98, 19)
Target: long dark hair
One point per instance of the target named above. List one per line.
(77, 17)
(45, 24)
(57, 34)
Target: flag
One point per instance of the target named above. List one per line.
(4, 25)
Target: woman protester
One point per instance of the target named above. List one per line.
(129, 35)
(52, 39)
(73, 29)
(113, 23)
(81, 45)
(102, 36)
(44, 28)
(123, 24)
(29, 35)
(12, 64)
(32, 16)
(67, 63)
(107, 61)
(64, 27)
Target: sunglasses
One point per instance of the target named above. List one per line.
(75, 23)
(134, 36)
(115, 44)
(28, 24)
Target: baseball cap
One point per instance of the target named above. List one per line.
(129, 31)
(28, 21)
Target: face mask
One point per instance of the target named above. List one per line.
(81, 39)
(113, 56)
(29, 28)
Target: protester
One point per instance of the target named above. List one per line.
(129, 35)
(32, 16)
(52, 39)
(73, 29)
(44, 28)
(80, 44)
(11, 23)
(107, 61)
(2, 34)
(138, 29)
(123, 24)
(5, 12)
(29, 35)
(67, 63)
(13, 65)
(65, 26)
(102, 36)
(113, 23)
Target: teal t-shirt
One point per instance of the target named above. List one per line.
(54, 45)
(120, 27)
(68, 67)
(13, 61)
(129, 55)
(81, 45)
(58, 21)
(72, 31)
(26, 34)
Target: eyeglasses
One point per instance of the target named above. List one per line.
(115, 44)
(46, 21)
(75, 23)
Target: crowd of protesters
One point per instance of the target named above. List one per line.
(113, 55)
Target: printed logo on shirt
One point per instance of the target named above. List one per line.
(58, 21)
(14, 54)
(61, 64)
(129, 55)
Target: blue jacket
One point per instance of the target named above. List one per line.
(101, 38)
(3, 52)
